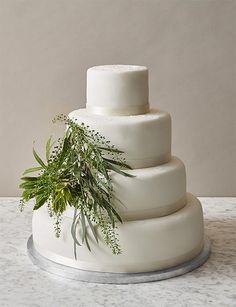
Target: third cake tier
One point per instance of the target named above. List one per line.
(152, 192)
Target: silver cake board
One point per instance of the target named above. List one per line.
(115, 278)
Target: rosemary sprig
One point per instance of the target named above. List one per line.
(76, 173)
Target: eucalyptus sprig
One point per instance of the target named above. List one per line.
(76, 173)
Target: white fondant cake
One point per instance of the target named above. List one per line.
(163, 226)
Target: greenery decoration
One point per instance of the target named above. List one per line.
(77, 173)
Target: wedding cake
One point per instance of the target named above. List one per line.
(162, 223)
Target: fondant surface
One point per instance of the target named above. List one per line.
(147, 245)
(145, 139)
(117, 90)
(154, 191)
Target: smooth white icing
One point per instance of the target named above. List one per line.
(147, 245)
(145, 139)
(117, 89)
(154, 191)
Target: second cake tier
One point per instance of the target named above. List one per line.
(144, 139)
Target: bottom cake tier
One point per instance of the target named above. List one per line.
(147, 245)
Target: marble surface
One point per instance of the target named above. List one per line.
(213, 284)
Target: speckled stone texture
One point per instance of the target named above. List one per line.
(213, 284)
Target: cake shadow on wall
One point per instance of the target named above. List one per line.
(162, 229)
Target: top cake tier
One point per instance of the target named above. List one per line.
(117, 90)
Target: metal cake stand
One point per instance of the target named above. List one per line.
(115, 278)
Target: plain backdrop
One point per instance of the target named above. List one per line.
(46, 47)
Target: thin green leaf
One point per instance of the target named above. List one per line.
(27, 195)
(65, 147)
(121, 164)
(38, 159)
(74, 229)
(58, 203)
(83, 224)
(32, 170)
(40, 201)
(110, 149)
(92, 227)
(118, 200)
(111, 211)
(116, 214)
(117, 170)
(75, 250)
(49, 146)
(67, 195)
(73, 232)
(28, 185)
(29, 178)
(87, 243)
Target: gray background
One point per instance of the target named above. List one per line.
(189, 46)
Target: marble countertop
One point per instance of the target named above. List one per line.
(213, 284)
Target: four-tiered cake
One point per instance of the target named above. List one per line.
(162, 224)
